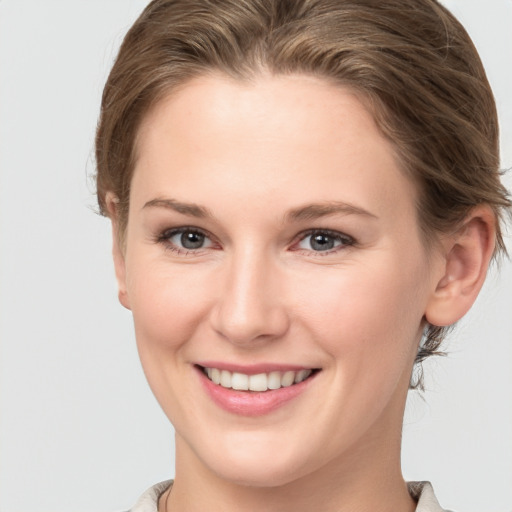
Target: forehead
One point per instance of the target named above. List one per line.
(280, 105)
(274, 134)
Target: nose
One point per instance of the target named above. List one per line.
(250, 307)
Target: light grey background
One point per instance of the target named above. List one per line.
(79, 428)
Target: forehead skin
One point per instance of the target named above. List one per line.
(196, 124)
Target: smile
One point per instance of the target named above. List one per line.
(259, 382)
(254, 390)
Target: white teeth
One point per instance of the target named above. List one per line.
(215, 377)
(274, 380)
(240, 381)
(225, 379)
(259, 382)
(287, 379)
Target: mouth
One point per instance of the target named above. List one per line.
(255, 390)
(259, 382)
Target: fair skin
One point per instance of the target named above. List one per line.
(271, 229)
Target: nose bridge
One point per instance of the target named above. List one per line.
(250, 307)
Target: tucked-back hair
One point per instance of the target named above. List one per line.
(410, 61)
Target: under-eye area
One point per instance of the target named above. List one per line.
(259, 382)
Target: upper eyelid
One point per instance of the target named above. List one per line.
(333, 232)
(330, 232)
(167, 233)
(304, 233)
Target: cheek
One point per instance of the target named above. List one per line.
(370, 315)
(168, 305)
(168, 302)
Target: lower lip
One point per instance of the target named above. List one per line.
(252, 403)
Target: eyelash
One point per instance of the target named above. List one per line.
(336, 236)
(344, 240)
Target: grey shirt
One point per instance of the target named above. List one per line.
(420, 491)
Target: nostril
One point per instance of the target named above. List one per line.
(250, 307)
(240, 328)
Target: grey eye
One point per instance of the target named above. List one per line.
(189, 239)
(320, 241)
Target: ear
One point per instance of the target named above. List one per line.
(467, 254)
(118, 255)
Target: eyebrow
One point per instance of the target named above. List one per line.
(307, 212)
(190, 209)
(318, 210)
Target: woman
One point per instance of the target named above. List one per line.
(304, 196)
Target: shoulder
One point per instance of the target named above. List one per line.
(423, 493)
(148, 502)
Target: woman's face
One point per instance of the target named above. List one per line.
(272, 238)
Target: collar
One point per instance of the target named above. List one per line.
(423, 493)
(420, 491)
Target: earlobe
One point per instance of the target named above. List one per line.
(117, 251)
(464, 267)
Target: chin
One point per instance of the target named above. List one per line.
(263, 476)
(259, 466)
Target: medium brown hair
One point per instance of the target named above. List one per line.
(411, 62)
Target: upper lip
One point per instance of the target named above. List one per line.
(253, 369)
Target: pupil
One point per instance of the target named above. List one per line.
(322, 243)
(191, 240)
